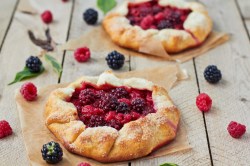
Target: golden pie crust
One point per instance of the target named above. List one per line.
(197, 27)
(106, 144)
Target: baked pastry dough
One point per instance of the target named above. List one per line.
(177, 24)
(136, 138)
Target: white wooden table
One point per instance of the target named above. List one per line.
(211, 144)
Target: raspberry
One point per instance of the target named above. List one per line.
(65, 0)
(87, 96)
(212, 74)
(34, 64)
(158, 17)
(83, 164)
(135, 115)
(110, 115)
(52, 152)
(138, 104)
(5, 129)
(96, 120)
(82, 54)
(29, 91)
(119, 93)
(236, 130)
(108, 102)
(90, 16)
(115, 60)
(123, 107)
(47, 17)
(203, 102)
(147, 22)
(115, 124)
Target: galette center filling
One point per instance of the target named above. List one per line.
(111, 106)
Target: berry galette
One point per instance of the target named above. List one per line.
(177, 24)
(111, 119)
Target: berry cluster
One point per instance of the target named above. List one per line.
(150, 15)
(111, 106)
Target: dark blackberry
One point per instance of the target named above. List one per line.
(156, 9)
(212, 74)
(138, 104)
(175, 18)
(96, 120)
(52, 152)
(115, 60)
(87, 96)
(120, 93)
(115, 124)
(90, 16)
(165, 24)
(108, 102)
(123, 107)
(34, 64)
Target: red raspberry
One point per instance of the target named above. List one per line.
(47, 17)
(158, 17)
(82, 54)
(236, 130)
(5, 129)
(147, 22)
(29, 91)
(83, 164)
(65, 0)
(203, 102)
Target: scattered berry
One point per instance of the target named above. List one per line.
(5, 129)
(83, 164)
(115, 60)
(82, 54)
(236, 130)
(138, 104)
(90, 16)
(203, 102)
(47, 17)
(65, 0)
(52, 152)
(87, 96)
(34, 64)
(212, 74)
(29, 91)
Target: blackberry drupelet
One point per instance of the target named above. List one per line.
(90, 16)
(115, 60)
(212, 74)
(34, 64)
(52, 152)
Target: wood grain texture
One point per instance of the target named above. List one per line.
(230, 96)
(245, 8)
(17, 47)
(183, 96)
(7, 8)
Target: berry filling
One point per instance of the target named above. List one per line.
(150, 15)
(111, 106)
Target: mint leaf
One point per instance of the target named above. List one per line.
(168, 164)
(25, 74)
(106, 5)
(57, 67)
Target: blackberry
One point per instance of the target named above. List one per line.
(52, 152)
(138, 104)
(34, 64)
(115, 124)
(212, 74)
(90, 16)
(87, 96)
(115, 60)
(96, 120)
(175, 18)
(108, 102)
(165, 24)
(119, 93)
(123, 107)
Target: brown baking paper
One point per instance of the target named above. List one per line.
(36, 134)
(98, 40)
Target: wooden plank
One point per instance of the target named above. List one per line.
(183, 96)
(244, 7)
(17, 47)
(231, 96)
(7, 8)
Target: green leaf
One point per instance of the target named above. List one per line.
(168, 164)
(106, 5)
(56, 66)
(25, 74)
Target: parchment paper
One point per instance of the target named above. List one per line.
(98, 40)
(36, 134)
